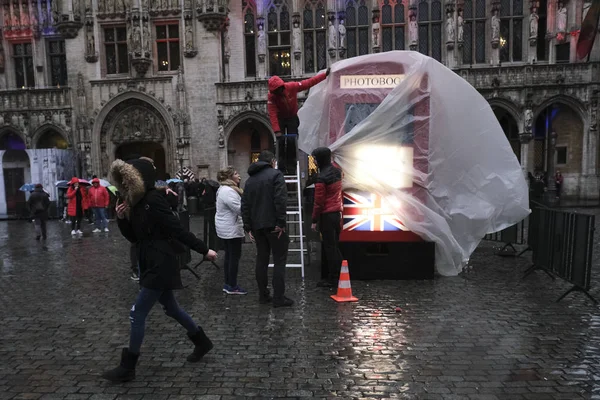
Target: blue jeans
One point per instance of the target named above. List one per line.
(100, 217)
(144, 303)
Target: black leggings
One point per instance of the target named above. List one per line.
(76, 223)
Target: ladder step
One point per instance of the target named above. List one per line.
(289, 265)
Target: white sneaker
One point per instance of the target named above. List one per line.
(106, 230)
(96, 230)
(73, 232)
(79, 232)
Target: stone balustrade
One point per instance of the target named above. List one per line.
(531, 75)
(35, 99)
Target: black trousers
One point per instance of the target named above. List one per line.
(286, 146)
(267, 242)
(331, 257)
(233, 253)
(76, 223)
(40, 221)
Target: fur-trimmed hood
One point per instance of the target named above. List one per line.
(129, 182)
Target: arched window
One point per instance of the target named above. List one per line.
(11, 141)
(249, 37)
(278, 29)
(392, 22)
(357, 28)
(430, 28)
(511, 30)
(474, 35)
(52, 140)
(315, 36)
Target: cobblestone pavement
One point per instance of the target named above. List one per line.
(486, 334)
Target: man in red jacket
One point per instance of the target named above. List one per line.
(327, 212)
(282, 105)
(98, 199)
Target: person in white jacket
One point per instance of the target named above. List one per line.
(230, 227)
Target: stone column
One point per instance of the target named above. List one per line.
(525, 138)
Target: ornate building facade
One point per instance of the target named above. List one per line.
(184, 82)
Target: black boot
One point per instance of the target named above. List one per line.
(125, 372)
(202, 346)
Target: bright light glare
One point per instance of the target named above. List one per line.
(391, 165)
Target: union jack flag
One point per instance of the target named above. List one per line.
(365, 211)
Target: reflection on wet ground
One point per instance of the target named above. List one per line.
(486, 334)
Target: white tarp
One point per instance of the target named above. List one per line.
(472, 183)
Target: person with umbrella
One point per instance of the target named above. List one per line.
(38, 203)
(99, 200)
(78, 203)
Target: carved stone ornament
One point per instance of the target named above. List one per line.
(91, 55)
(68, 29)
(80, 87)
(221, 137)
(212, 13)
(413, 27)
(141, 65)
(528, 123)
(495, 24)
(138, 124)
(594, 111)
(296, 36)
(525, 138)
(450, 26)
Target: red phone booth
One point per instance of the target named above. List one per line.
(374, 240)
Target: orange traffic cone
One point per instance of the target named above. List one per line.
(344, 292)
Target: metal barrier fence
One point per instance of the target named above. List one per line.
(562, 245)
(515, 234)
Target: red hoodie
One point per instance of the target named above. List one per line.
(286, 104)
(98, 196)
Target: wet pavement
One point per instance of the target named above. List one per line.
(486, 334)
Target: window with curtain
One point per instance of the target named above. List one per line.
(278, 30)
(392, 25)
(429, 17)
(357, 28)
(249, 37)
(314, 27)
(474, 32)
(511, 30)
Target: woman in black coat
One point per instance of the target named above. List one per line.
(145, 218)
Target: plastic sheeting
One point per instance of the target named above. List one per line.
(429, 144)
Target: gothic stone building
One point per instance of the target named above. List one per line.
(83, 82)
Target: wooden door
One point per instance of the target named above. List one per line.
(14, 178)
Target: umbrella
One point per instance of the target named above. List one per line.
(84, 182)
(174, 180)
(62, 184)
(111, 189)
(28, 187)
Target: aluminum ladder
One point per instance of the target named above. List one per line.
(295, 221)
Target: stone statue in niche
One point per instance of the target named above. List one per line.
(189, 35)
(147, 43)
(495, 27)
(44, 15)
(450, 33)
(528, 120)
(461, 26)
(91, 45)
(16, 19)
(332, 36)
(137, 39)
(561, 17)
(101, 6)
(342, 34)
(110, 6)
(297, 36)
(375, 33)
(226, 45)
(533, 23)
(413, 30)
(262, 41)
(210, 5)
(105, 163)
(7, 19)
(76, 10)
(25, 16)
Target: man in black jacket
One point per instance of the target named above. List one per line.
(38, 203)
(264, 210)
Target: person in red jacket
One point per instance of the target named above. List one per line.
(78, 203)
(282, 105)
(327, 212)
(98, 200)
